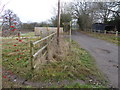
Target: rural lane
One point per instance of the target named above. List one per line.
(105, 54)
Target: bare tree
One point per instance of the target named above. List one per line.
(103, 11)
(87, 13)
(82, 12)
(66, 14)
(11, 23)
(2, 6)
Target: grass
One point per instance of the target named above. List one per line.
(107, 37)
(16, 55)
(30, 34)
(77, 64)
(78, 85)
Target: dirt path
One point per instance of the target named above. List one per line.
(105, 54)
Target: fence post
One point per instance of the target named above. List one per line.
(31, 54)
(47, 31)
(98, 31)
(48, 40)
(116, 33)
(41, 34)
(91, 30)
(19, 34)
(105, 32)
(94, 31)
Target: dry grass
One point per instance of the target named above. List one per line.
(58, 52)
(60, 64)
(54, 52)
(67, 64)
(107, 37)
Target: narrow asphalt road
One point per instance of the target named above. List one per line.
(105, 54)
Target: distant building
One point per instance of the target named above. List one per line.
(45, 30)
(101, 27)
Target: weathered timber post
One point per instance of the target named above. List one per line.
(91, 30)
(98, 31)
(19, 34)
(94, 31)
(31, 54)
(105, 32)
(48, 31)
(41, 34)
(70, 34)
(47, 48)
(116, 33)
(58, 26)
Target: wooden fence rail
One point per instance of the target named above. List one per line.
(32, 46)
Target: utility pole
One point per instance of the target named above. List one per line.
(70, 31)
(58, 26)
(70, 34)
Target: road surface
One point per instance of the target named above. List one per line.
(105, 54)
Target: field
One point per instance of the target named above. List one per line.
(70, 67)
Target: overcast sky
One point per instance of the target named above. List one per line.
(32, 10)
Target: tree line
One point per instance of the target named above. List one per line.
(87, 13)
(84, 13)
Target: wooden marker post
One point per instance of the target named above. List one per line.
(18, 34)
(31, 55)
(70, 36)
(58, 26)
(105, 32)
(116, 33)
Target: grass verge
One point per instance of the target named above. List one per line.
(76, 64)
(30, 34)
(78, 85)
(107, 37)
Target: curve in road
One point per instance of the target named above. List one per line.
(105, 54)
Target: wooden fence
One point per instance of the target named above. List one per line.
(33, 54)
(105, 32)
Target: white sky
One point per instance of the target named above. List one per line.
(32, 10)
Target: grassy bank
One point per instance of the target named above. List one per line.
(68, 64)
(107, 37)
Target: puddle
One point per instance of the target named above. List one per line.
(102, 51)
